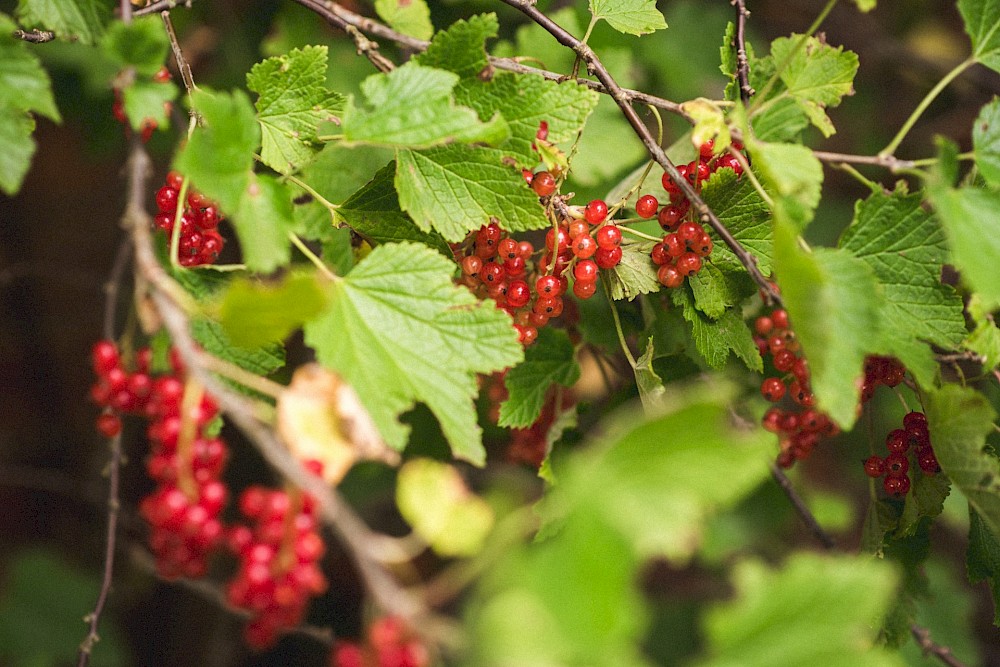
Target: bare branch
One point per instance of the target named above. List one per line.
(35, 36)
(802, 509)
(923, 638)
(161, 5)
(182, 65)
(742, 61)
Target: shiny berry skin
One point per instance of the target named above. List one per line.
(518, 293)
(577, 228)
(584, 246)
(896, 486)
(690, 233)
(647, 206)
(688, 264)
(897, 441)
(874, 466)
(104, 356)
(784, 360)
(763, 325)
(780, 319)
(548, 286)
(674, 245)
(585, 271)
(472, 265)
(166, 199)
(596, 212)
(928, 461)
(543, 183)
(608, 258)
(703, 246)
(914, 419)
(669, 276)
(669, 217)
(660, 255)
(609, 237)
(897, 464)
(562, 240)
(728, 161)
(707, 149)
(773, 389)
(584, 290)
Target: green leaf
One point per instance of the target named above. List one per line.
(716, 338)
(24, 83)
(718, 286)
(42, 612)
(865, 5)
(971, 219)
(461, 48)
(456, 189)
(925, 500)
(879, 520)
(905, 246)
(16, 147)
(433, 498)
(262, 222)
(649, 383)
(148, 99)
(525, 101)
(793, 175)
(374, 213)
(548, 361)
(293, 100)
(814, 610)
(982, 24)
(985, 338)
(745, 214)
(634, 17)
(983, 559)
(262, 360)
(986, 142)
(399, 331)
(831, 297)
(412, 107)
(253, 313)
(410, 17)
(958, 420)
(83, 20)
(817, 75)
(143, 45)
(219, 156)
(635, 274)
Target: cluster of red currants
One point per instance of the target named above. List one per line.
(183, 511)
(799, 428)
(200, 241)
(279, 560)
(390, 644)
(879, 371)
(148, 125)
(894, 468)
(686, 243)
(528, 445)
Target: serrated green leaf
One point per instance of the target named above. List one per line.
(212, 338)
(456, 189)
(461, 48)
(780, 120)
(634, 17)
(816, 76)
(745, 214)
(399, 331)
(716, 338)
(262, 222)
(831, 296)
(149, 99)
(793, 175)
(412, 107)
(983, 559)
(635, 274)
(374, 213)
(958, 420)
(433, 498)
(971, 220)
(986, 141)
(83, 20)
(293, 100)
(649, 383)
(982, 24)
(253, 313)
(717, 287)
(728, 63)
(925, 500)
(410, 17)
(16, 147)
(525, 101)
(879, 520)
(549, 360)
(219, 156)
(143, 44)
(905, 246)
(985, 338)
(24, 83)
(814, 610)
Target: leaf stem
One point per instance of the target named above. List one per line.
(618, 327)
(638, 234)
(924, 103)
(312, 257)
(175, 231)
(327, 204)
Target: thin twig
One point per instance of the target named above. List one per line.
(182, 64)
(161, 5)
(742, 61)
(802, 509)
(887, 161)
(35, 36)
(705, 214)
(113, 286)
(923, 638)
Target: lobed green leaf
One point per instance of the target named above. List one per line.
(635, 274)
(986, 142)
(982, 24)
(716, 338)
(24, 83)
(971, 220)
(549, 360)
(633, 17)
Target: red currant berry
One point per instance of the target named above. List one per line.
(585, 271)
(518, 294)
(874, 466)
(780, 318)
(109, 424)
(763, 325)
(914, 419)
(897, 442)
(784, 360)
(707, 149)
(669, 276)
(104, 355)
(688, 264)
(551, 239)
(584, 290)
(690, 233)
(596, 212)
(647, 206)
(543, 183)
(772, 420)
(897, 464)
(548, 286)
(703, 246)
(928, 461)
(577, 228)
(660, 255)
(728, 161)
(608, 258)
(896, 486)
(674, 245)
(472, 265)
(584, 246)
(166, 199)
(773, 389)
(669, 217)
(609, 237)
